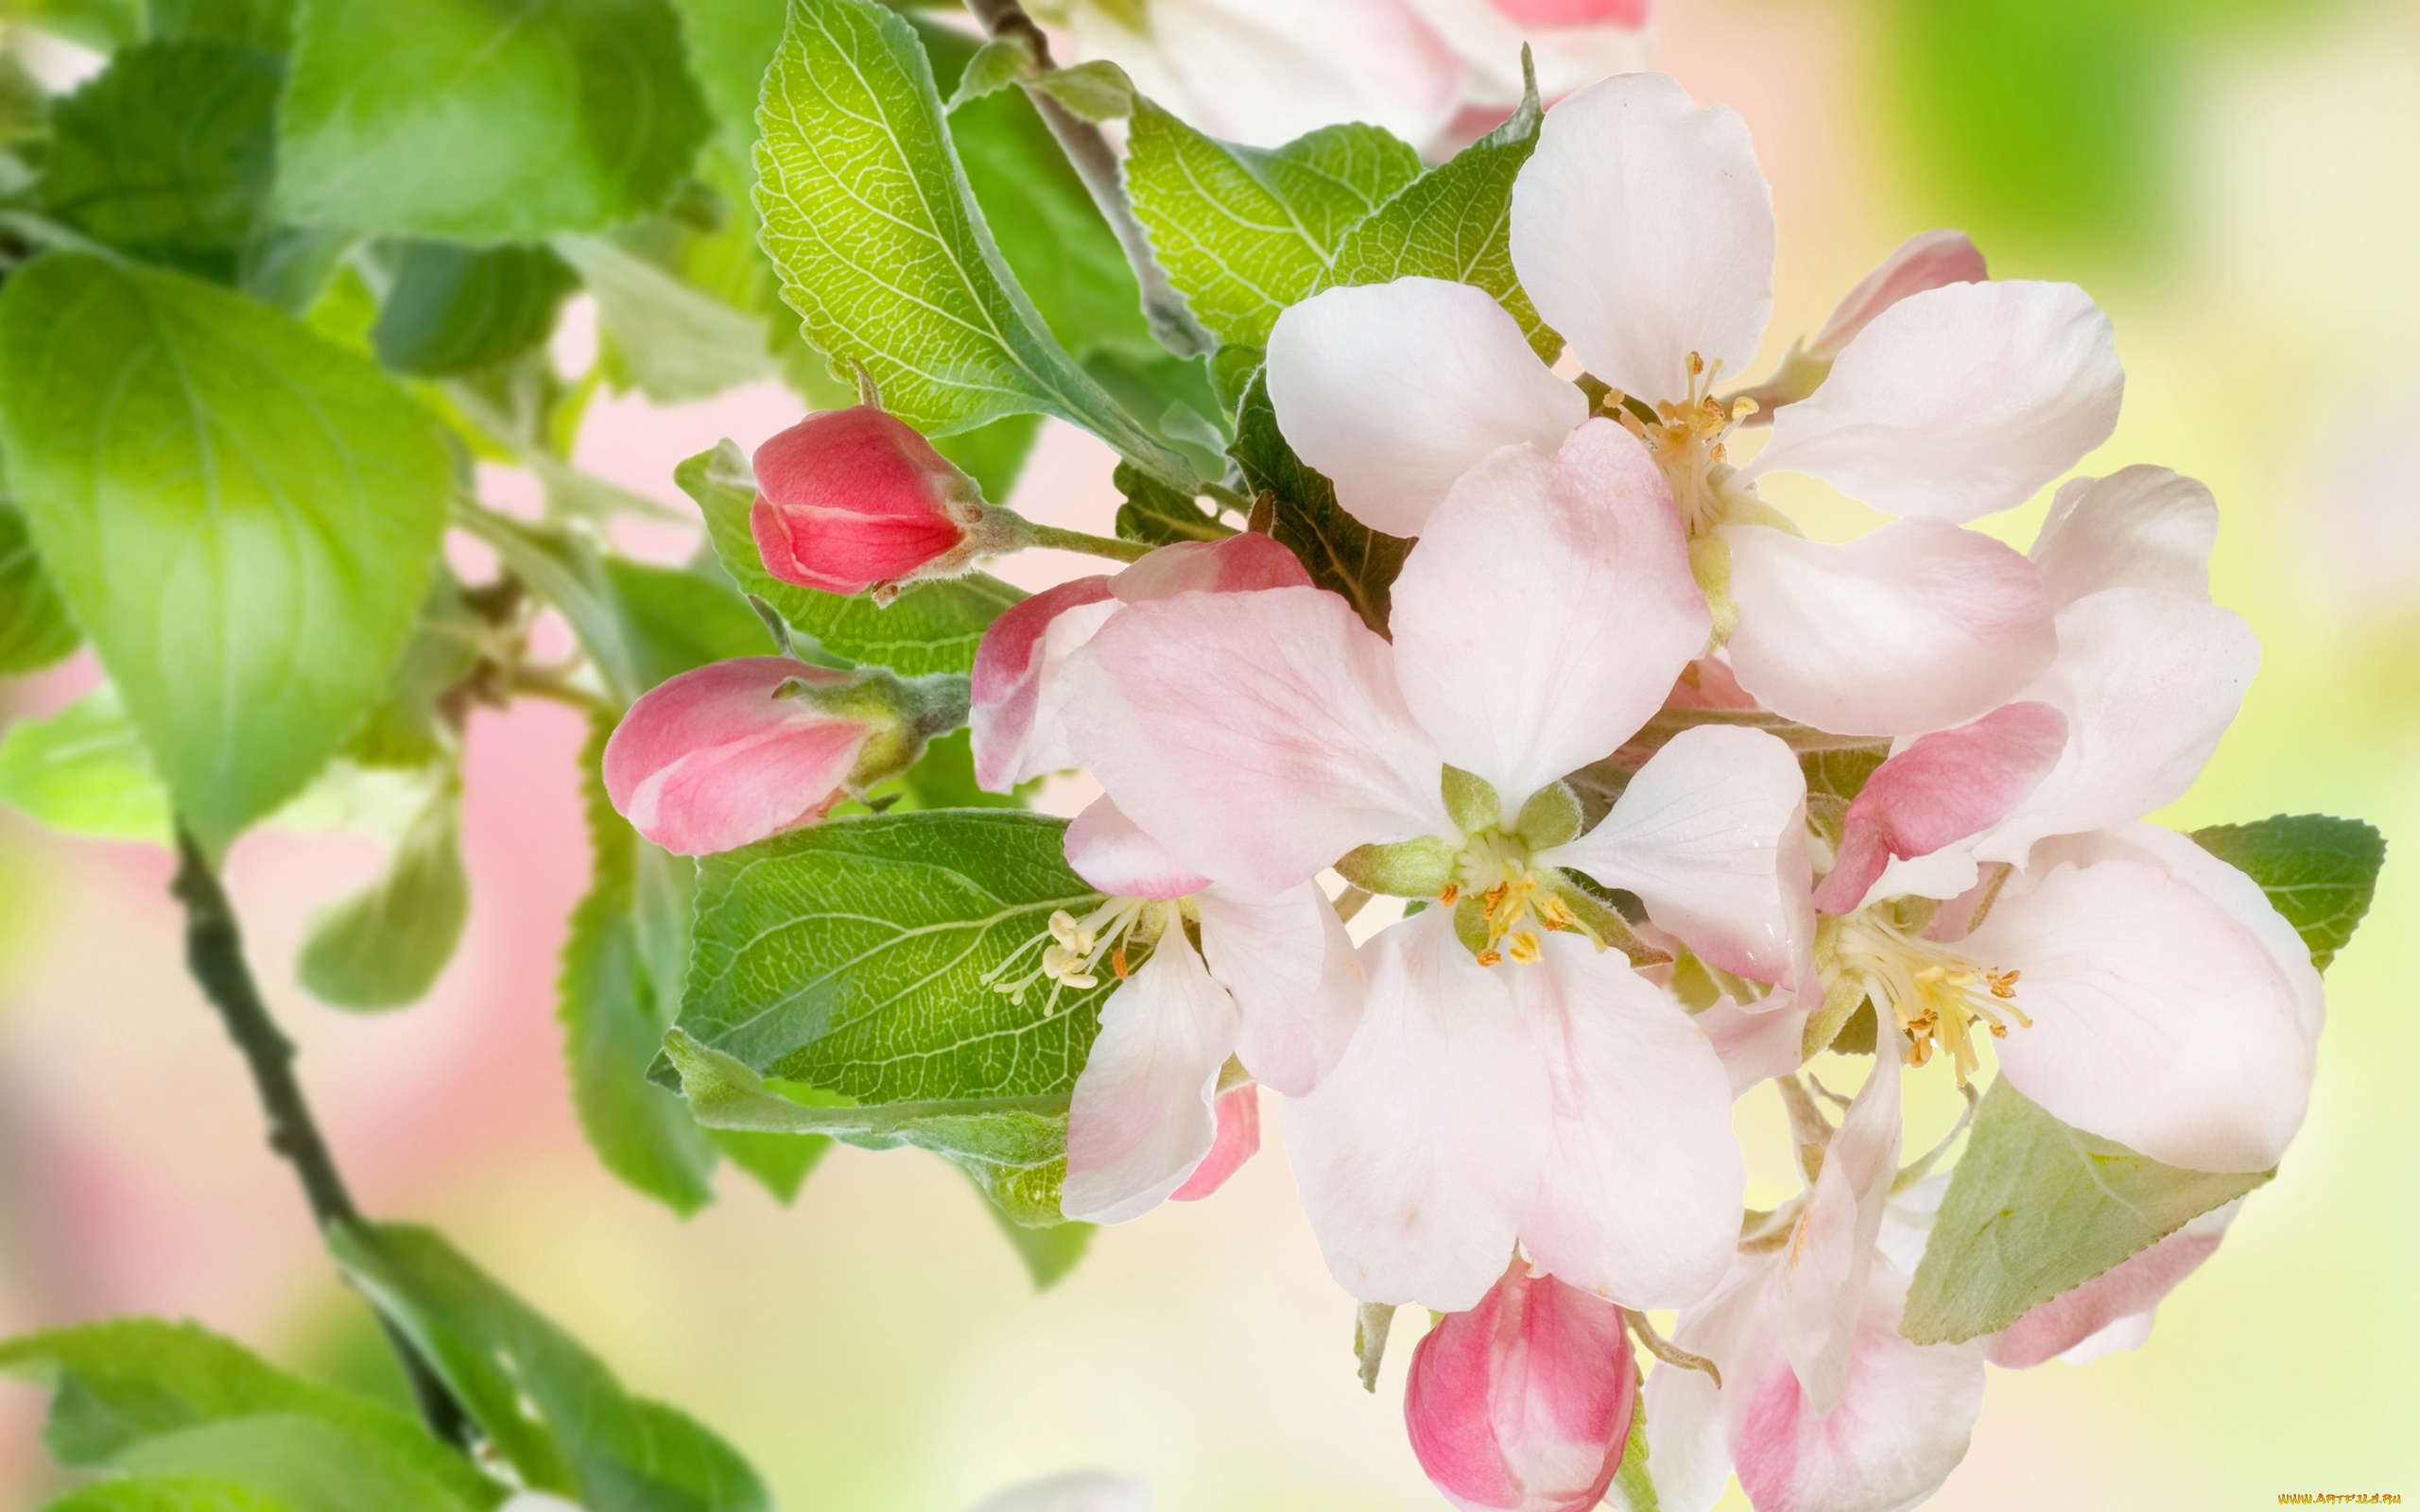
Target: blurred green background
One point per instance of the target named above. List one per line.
(2236, 181)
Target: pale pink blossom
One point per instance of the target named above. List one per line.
(1642, 230)
(1544, 1095)
(1523, 1403)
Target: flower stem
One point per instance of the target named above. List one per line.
(1057, 540)
(215, 955)
(1095, 163)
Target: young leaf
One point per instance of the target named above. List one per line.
(453, 308)
(1341, 554)
(168, 154)
(1454, 222)
(679, 344)
(34, 627)
(169, 1493)
(2035, 1210)
(1244, 232)
(138, 1395)
(930, 628)
(386, 946)
(85, 771)
(465, 119)
(2318, 873)
(243, 517)
(882, 249)
(552, 1409)
(1161, 515)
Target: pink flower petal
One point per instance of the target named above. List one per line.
(1757, 1040)
(1958, 402)
(1420, 1154)
(2131, 1288)
(1546, 611)
(1257, 737)
(1111, 852)
(1290, 966)
(1711, 836)
(1642, 229)
(1928, 260)
(711, 761)
(1016, 672)
(1238, 1140)
(1918, 626)
(1239, 564)
(2138, 527)
(1395, 390)
(1141, 1119)
(1943, 788)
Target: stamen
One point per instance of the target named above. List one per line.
(1937, 997)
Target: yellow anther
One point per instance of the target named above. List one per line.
(1448, 896)
(1741, 408)
(1937, 997)
(1490, 957)
(1527, 947)
(1697, 366)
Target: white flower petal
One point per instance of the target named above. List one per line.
(1395, 390)
(1711, 836)
(1640, 1197)
(1958, 402)
(1547, 610)
(1823, 1272)
(1112, 852)
(1291, 968)
(1420, 1154)
(1643, 230)
(1257, 737)
(1141, 1119)
(1918, 626)
(2138, 527)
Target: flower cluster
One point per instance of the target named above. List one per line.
(1579, 748)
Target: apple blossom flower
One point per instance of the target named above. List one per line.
(1263, 72)
(1642, 230)
(855, 499)
(1018, 728)
(1523, 1403)
(1524, 1085)
(1274, 985)
(733, 751)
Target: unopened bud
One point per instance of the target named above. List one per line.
(852, 499)
(735, 751)
(1523, 1403)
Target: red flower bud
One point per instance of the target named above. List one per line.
(848, 499)
(1523, 1403)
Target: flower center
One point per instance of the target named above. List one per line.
(1072, 948)
(1503, 905)
(1686, 441)
(1937, 996)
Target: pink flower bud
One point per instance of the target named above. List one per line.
(1930, 261)
(1523, 1403)
(1238, 1140)
(732, 752)
(850, 498)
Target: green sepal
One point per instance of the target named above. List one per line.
(1471, 800)
(1580, 895)
(1470, 922)
(1550, 818)
(1407, 869)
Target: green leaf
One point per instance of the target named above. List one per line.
(553, 1410)
(262, 23)
(483, 121)
(622, 971)
(176, 1493)
(139, 1396)
(242, 516)
(678, 343)
(1341, 554)
(1454, 222)
(1159, 515)
(412, 727)
(100, 24)
(386, 946)
(85, 771)
(1049, 1250)
(2318, 873)
(678, 618)
(2035, 1210)
(34, 627)
(168, 154)
(930, 627)
(882, 249)
(452, 308)
(1243, 232)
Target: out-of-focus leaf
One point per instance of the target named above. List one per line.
(168, 1493)
(243, 517)
(483, 122)
(1244, 232)
(1049, 1250)
(34, 627)
(677, 343)
(169, 152)
(994, 455)
(262, 23)
(148, 1397)
(453, 308)
(930, 628)
(385, 945)
(550, 1408)
(410, 729)
(2035, 1210)
(679, 619)
(1341, 554)
(2320, 872)
(85, 771)
(100, 24)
